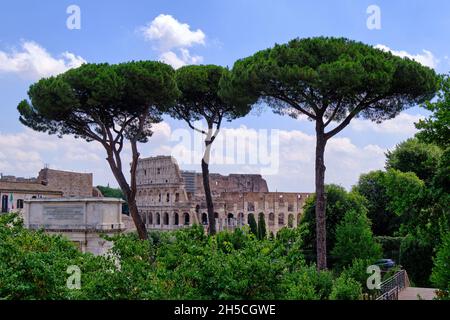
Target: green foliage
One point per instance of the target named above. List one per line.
(200, 99)
(83, 101)
(373, 187)
(338, 203)
(109, 192)
(441, 180)
(252, 224)
(404, 191)
(416, 257)
(390, 246)
(262, 231)
(345, 288)
(436, 129)
(354, 240)
(184, 264)
(393, 198)
(33, 265)
(441, 270)
(358, 272)
(307, 284)
(415, 156)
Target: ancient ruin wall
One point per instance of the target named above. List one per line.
(72, 184)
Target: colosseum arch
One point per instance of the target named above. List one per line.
(176, 219)
(271, 219)
(230, 218)
(281, 219)
(204, 218)
(166, 219)
(241, 218)
(158, 219)
(150, 218)
(187, 219)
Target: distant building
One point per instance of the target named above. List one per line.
(49, 184)
(169, 198)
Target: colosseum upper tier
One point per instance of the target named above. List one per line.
(169, 198)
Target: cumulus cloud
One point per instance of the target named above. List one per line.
(402, 124)
(168, 33)
(177, 61)
(426, 58)
(33, 61)
(172, 39)
(344, 161)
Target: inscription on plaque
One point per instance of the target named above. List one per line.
(63, 215)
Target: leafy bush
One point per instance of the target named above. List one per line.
(391, 247)
(441, 271)
(346, 288)
(417, 259)
(339, 201)
(354, 240)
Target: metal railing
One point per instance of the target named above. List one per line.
(391, 288)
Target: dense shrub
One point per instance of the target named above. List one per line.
(354, 240)
(391, 247)
(338, 203)
(441, 270)
(416, 257)
(346, 288)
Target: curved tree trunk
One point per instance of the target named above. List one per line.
(321, 231)
(129, 193)
(140, 226)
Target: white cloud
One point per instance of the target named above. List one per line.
(177, 61)
(172, 39)
(403, 124)
(426, 57)
(169, 33)
(344, 161)
(34, 62)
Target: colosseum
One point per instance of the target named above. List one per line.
(169, 198)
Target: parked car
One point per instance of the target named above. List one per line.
(386, 264)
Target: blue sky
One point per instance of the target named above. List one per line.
(112, 31)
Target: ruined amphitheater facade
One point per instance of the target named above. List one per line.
(169, 198)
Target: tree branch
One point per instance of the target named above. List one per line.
(294, 105)
(333, 114)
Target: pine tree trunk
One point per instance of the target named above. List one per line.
(321, 231)
(209, 201)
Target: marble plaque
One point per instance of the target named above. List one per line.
(63, 215)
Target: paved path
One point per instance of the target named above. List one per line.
(414, 293)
